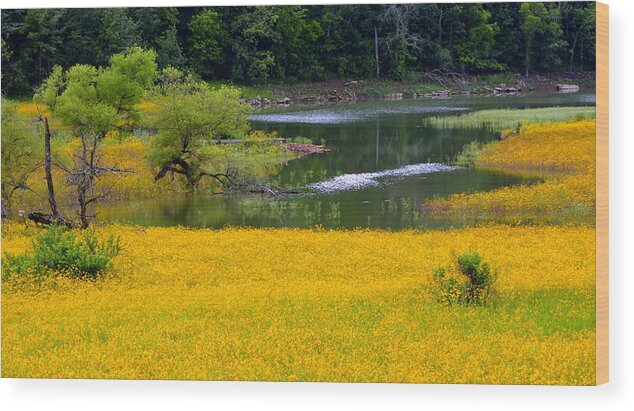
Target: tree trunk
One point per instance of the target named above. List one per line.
(83, 211)
(440, 26)
(581, 52)
(376, 51)
(527, 58)
(574, 44)
(47, 169)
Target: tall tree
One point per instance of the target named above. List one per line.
(347, 47)
(293, 49)
(403, 43)
(475, 43)
(206, 43)
(119, 31)
(253, 36)
(158, 30)
(582, 26)
(189, 118)
(31, 39)
(542, 36)
(20, 151)
(94, 101)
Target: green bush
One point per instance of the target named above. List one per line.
(470, 283)
(468, 155)
(20, 264)
(62, 251)
(300, 140)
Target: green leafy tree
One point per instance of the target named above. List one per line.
(582, 28)
(31, 39)
(476, 49)
(254, 34)
(119, 31)
(190, 117)
(263, 44)
(93, 101)
(293, 53)
(207, 40)
(542, 36)
(158, 31)
(346, 47)
(508, 52)
(21, 150)
(403, 43)
(168, 49)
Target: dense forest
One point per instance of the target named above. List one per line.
(268, 44)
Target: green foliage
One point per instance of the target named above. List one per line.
(472, 285)
(477, 52)
(207, 42)
(20, 264)
(62, 251)
(256, 34)
(468, 155)
(97, 100)
(120, 31)
(498, 119)
(300, 140)
(21, 150)
(264, 44)
(157, 30)
(297, 32)
(542, 35)
(190, 116)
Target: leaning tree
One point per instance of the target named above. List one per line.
(189, 119)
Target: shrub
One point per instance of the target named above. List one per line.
(300, 140)
(468, 155)
(58, 250)
(21, 264)
(471, 283)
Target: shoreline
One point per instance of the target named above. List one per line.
(354, 90)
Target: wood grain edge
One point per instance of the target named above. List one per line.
(602, 192)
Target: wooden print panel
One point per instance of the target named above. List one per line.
(602, 181)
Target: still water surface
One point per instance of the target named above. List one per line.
(384, 162)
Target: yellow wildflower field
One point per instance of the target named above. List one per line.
(309, 305)
(561, 154)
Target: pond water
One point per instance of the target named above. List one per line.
(384, 161)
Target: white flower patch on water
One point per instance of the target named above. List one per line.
(362, 180)
(338, 115)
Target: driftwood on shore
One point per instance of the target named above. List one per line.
(279, 140)
(306, 148)
(49, 219)
(567, 88)
(276, 192)
(294, 147)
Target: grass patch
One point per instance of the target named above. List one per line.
(513, 118)
(468, 155)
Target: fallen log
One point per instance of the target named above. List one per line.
(49, 219)
(306, 148)
(266, 190)
(567, 88)
(279, 140)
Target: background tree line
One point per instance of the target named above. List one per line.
(263, 44)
